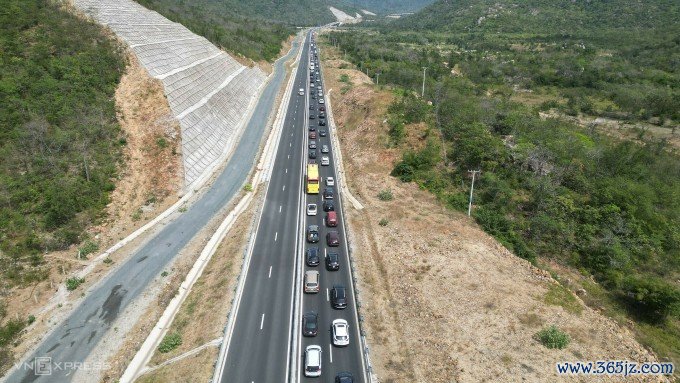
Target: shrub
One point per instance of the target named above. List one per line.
(385, 195)
(552, 337)
(248, 187)
(31, 319)
(344, 78)
(73, 283)
(162, 142)
(383, 222)
(170, 342)
(10, 331)
(88, 248)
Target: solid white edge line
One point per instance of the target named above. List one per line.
(335, 150)
(224, 350)
(294, 337)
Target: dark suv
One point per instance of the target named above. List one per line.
(332, 239)
(313, 256)
(339, 297)
(328, 206)
(332, 262)
(313, 233)
(328, 193)
(344, 377)
(310, 324)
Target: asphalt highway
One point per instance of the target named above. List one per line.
(267, 343)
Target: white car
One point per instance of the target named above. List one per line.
(311, 208)
(340, 332)
(313, 361)
(321, 101)
(330, 181)
(301, 92)
(325, 161)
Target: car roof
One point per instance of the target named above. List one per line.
(313, 227)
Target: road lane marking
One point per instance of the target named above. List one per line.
(284, 187)
(262, 321)
(286, 171)
(330, 351)
(290, 144)
(280, 206)
(270, 271)
(289, 156)
(328, 295)
(276, 236)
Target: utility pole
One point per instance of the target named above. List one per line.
(422, 95)
(472, 188)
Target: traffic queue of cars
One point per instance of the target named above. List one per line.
(339, 328)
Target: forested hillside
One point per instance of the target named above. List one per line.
(59, 138)
(500, 78)
(256, 28)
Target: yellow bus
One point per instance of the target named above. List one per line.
(313, 179)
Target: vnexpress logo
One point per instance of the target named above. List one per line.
(42, 365)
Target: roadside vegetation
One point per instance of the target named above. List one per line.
(498, 81)
(255, 38)
(60, 142)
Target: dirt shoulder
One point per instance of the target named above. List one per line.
(149, 182)
(442, 300)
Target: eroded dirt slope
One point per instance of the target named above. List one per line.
(443, 301)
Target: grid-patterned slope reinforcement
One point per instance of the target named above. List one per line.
(209, 92)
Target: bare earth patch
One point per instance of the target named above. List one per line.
(442, 300)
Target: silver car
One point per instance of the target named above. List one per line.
(340, 332)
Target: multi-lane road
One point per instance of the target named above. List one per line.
(266, 344)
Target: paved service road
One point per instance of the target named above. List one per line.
(74, 339)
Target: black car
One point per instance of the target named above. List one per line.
(344, 377)
(313, 233)
(332, 239)
(310, 324)
(322, 108)
(312, 128)
(332, 261)
(328, 206)
(322, 122)
(328, 193)
(313, 96)
(311, 116)
(312, 154)
(313, 256)
(338, 297)
(322, 115)
(311, 107)
(322, 133)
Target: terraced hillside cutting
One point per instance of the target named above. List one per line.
(209, 92)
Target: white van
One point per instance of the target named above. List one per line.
(313, 361)
(311, 281)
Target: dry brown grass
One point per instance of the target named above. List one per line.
(442, 300)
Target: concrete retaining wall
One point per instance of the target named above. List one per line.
(209, 92)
